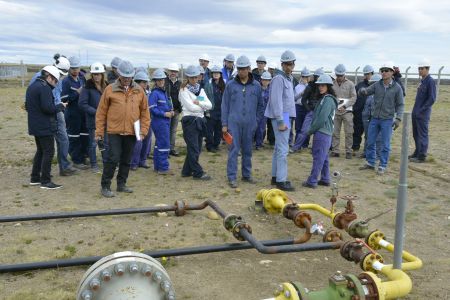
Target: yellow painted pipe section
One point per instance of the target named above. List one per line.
(318, 208)
(413, 262)
(289, 292)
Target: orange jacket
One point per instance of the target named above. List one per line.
(118, 110)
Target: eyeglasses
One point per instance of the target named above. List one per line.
(385, 70)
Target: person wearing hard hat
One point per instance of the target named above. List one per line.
(112, 74)
(161, 111)
(41, 113)
(88, 103)
(309, 102)
(62, 140)
(142, 147)
(322, 128)
(261, 63)
(262, 121)
(346, 93)
(242, 107)
(280, 108)
(300, 110)
(421, 113)
(366, 116)
(194, 102)
(206, 85)
(213, 123)
(386, 114)
(228, 67)
(75, 118)
(204, 62)
(398, 78)
(358, 107)
(122, 111)
(172, 88)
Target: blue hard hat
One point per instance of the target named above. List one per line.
(216, 69)
(324, 79)
(126, 69)
(261, 58)
(375, 77)
(141, 76)
(340, 69)
(115, 62)
(243, 62)
(287, 56)
(74, 62)
(266, 76)
(158, 74)
(192, 71)
(230, 57)
(318, 72)
(306, 73)
(368, 69)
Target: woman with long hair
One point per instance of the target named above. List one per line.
(194, 102)
(322, 127)
(214, 124)
(88, 103)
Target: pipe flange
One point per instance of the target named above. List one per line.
(300, 217)
(341, 220)
(180, 209)
(289, 210)
(369, 286)
(237, 230)
(358, 229)
(373, 238)
(230, 221)
(367, 262)
(124, 275)
(348, 249)
(332, 235)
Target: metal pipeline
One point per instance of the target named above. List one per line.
(261, 246)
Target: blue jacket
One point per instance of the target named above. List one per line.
(227, 74)
(216, 111)
(265, 96)
(426, 95)
(242, 104)
(41, 109)
(281, 99)
(159, 104)
(56, 90)
(68, 93)
(88, 102)
(367, 108)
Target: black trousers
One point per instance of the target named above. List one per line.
(119, 153)
(213, 134)
(358, 130)
(42, 162)
(270, 134)
(193, 131)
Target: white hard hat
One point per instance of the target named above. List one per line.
(201, 70)
(192, 71)
(266, 76)
(142, 76)
(287, 56)
(272, 66)
(424, 63)
(368, 69)
(261, 58)
(62, 64)
(340, 70)
(125, 69)
(158, 74)
(387, 65)
(243, 62)
(115, 62)
(173, 67)
(216, 69)
(52, 70)
(324, 79)
(204, 56)
(230, 57)
(97, 68)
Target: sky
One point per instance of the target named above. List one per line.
(156, 33)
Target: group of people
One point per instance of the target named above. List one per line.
(118, 112)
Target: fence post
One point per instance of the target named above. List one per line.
(439, 82)
(22, 73)
(182, 72)
(406, 79)
(356, 75)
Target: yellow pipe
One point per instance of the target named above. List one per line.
(399, 284)
(413, 262)
(318, 208)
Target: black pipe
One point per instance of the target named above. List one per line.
(89, 260)
(92, 213)
(209, 203)
(267, 249)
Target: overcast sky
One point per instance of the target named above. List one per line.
(321, 33)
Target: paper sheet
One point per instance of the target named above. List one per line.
(137, 129)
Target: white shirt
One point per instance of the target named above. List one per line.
(187, 99)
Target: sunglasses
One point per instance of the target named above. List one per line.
(385, 70)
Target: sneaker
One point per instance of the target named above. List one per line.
(81, 166)
(124, 189)
(68, 172)
(107, 193)
(50, 186)
(334, 154)
(144, 166)
(212, 150)
(308, 185)
(133, 168)
(249, 180)
(381, 170)
(412, 155)
(174, 153)
(165, 172)
(348, 155)
(186, 175)
(34, 182)
(96, 170)
(324, 183)
(273, 181)
(362, 155)
(367, 167)
(203, 177)
(233, 184)
(417, 160)
(285, 186)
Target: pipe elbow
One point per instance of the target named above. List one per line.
(399, 284)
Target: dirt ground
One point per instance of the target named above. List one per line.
(232, 275)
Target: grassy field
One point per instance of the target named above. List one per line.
(232, 275)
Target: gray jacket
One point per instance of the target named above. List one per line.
(388, 101)
(281, 98)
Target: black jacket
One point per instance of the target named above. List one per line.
(41, 109)
(88, 102)
(308, 100)
(360, 99)
(172, 91)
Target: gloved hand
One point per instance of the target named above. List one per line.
(362, 92)
(396, 124)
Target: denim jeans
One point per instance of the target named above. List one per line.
(62, 142)
(383, 128)
(280, 153)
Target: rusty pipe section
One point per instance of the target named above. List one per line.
(301, 219)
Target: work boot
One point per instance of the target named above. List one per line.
(249, 180)
(416, 159)
(308, 185)
(381, 170)
(144, 166)
(124, 189)
(233, 184)
(203, 177)
(81, 166)
(367, 167)
(335, 154)
(412, 155)
(324, 183)
(174, 153)
(273, 181)
(285, 186)
(348, 155)
(107, 193)
(68, 172)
